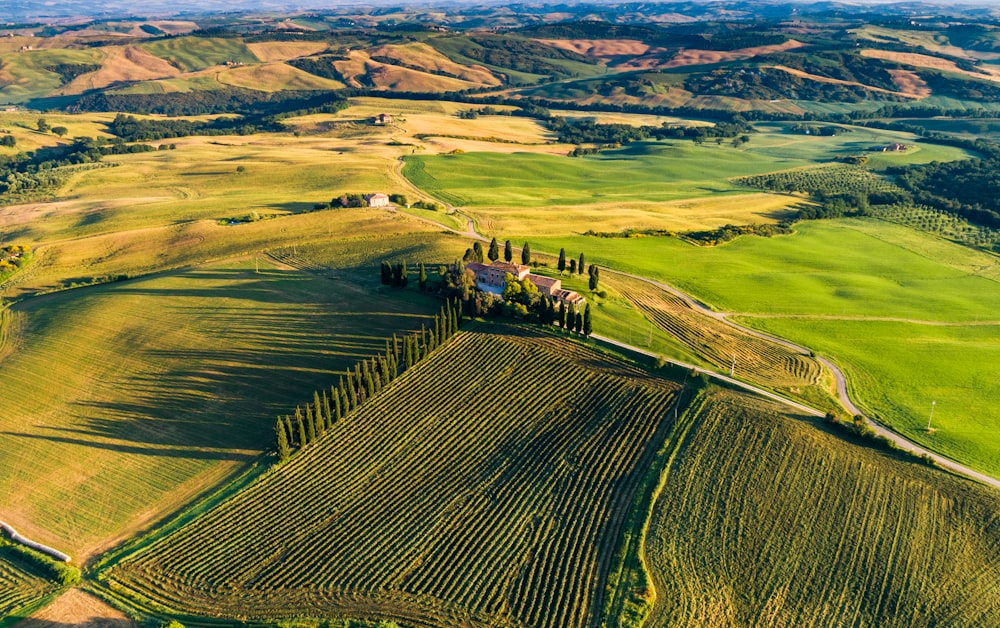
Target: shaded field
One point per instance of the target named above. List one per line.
(445, 500)
(123, 401)
(20, 584)
(808, 529)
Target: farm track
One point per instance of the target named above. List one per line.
(843, 394)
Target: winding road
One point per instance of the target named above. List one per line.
(843, 394)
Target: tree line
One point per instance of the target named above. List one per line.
(310, 421)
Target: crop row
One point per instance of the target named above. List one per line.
(810, 530)
(19, 587)
(755, 358)
(826, 180)
(485, 486)
(941, 223)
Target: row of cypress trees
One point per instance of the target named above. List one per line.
(365, 380)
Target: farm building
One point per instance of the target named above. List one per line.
(377, 200)
(491, 278)
(382, 118)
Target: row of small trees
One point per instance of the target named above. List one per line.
(475, 254)
(361, 383)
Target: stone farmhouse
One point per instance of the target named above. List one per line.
(377, 200)
(491, 278)
(382, 119)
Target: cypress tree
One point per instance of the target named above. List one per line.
(562, 314)
(572, 266)
(477, 250)
(336, 403)
(282, 445)
(571, 317)
(587, 329)
(395, 345)
(446, 324)
(327, 412)
(344, 402)
(526, 254)
(310, 424)
(386, 273)
(423, 278)
(383, 367)
(369, 384)
(594, 277)
(407, 361)
(562, 260)
(288, 430)
(402, 275)
(578, 323)
(317, 407)
(303, 436)
(580, 266)
(494, 252)
(352, 389)
(508, 251)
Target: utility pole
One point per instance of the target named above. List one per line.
(931, 416)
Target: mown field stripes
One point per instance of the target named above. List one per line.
(486, 486)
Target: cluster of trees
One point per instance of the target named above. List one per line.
(522, 55)
(361, 383)
(522, 300)
(69, 71)
(395, 275)
(575, 267)
(13, 258)
(613, 135)
(475, 252)
(247, 102)
(969, 188)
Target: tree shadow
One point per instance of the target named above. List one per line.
(253, 348)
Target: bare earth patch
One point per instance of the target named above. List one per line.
(601, 48)
(824, 79)
(76, 608)
(910, 83)
(928, 61)
(122, 64)
(704, 57)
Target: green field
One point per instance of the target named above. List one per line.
(807, 529)
(897, 369)
(197, 53)
(653, 171)
(827, 287)
(127, 399)
(448, 499)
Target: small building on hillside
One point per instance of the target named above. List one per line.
(382, 119)
(546, 285)
(492, 277)
(377, 200)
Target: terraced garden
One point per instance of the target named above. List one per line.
(808, 529)
(487, 486)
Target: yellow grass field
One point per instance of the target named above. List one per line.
(680, 216)
(275, 77)
(396, 77)
(269, 51)
(928, 61)
(122, 64)
(423, 56)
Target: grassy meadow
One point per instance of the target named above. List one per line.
(809, 529)
(124, 400)
(890, 305)
(672, 185)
